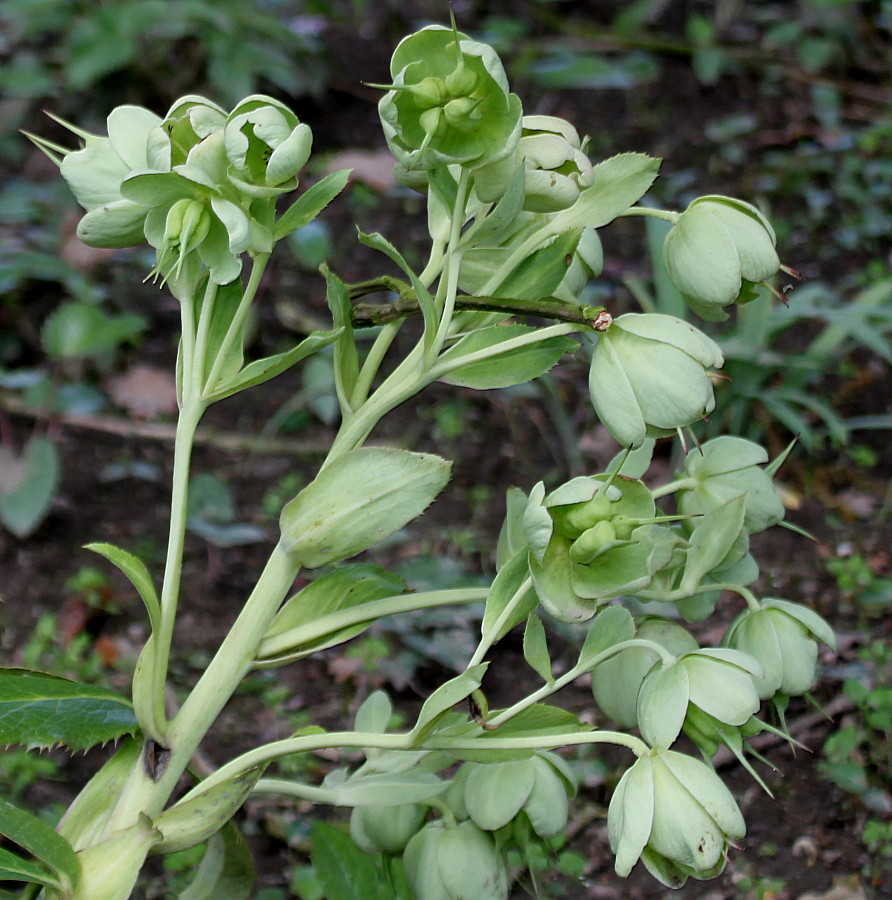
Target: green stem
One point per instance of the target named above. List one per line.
(258, 267)
(292, 789)
(187, 423)
(301, 635)
(492, 636)
(665, 214)
(201, 338)
(372, 362)
(680, 484)
(147, 791)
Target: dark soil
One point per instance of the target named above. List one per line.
(806, 839)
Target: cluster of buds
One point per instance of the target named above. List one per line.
(199, 184)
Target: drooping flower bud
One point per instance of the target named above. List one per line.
(717, 252)
(650, 376)
(385, 829)
(674, 813)
(782, 636)
(726, 467)
(455, 862)
(449, 102)
(540, 786)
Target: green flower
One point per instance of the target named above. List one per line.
(449, 102)
(385, 829)
(782, 636)
(650, 376)
(95, 174)
(617, 681)
(591, 541)
(187, 123)
(717, 252)
(724, 468)
(266, 146)
(673, 813)
(716, 683)
(455, 862)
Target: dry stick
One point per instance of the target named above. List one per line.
(153, 431)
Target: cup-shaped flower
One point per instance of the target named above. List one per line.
(95, 174)
(455, 862)
(187, 123)
(673, 813)
(266, 145)
(717, 251)
(590, 541)
(650, 376)
(715, 682)
(783, 637)
(449, 102)
(727, 467)
(385, 829)
(617, 681)
(556, 166)
(539, 786)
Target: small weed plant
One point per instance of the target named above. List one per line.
(439, 806)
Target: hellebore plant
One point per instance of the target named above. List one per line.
(514, 205)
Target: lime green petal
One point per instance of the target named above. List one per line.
(118, 224)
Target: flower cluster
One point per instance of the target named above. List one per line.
(199, 184)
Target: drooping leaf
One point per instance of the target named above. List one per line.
(35, 836)
(26, 500)
(611, 626)
(41, 710)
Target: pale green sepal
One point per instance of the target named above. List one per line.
(537, 524)
(630, 814)
(548, 803)
(673, 331)
(495, 793)
(662, 704)
(113, 225)
(807, 617)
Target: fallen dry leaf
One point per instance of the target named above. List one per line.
(144, 391)
(373, 167)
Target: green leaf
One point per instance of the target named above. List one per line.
(506, 584)
(40, 710)
(542, 271)
(135, 569)
(262, 370)
(14, 868)
(502, 369)
(345, 871)
(619, 182)
(535, 648)
(35, 836)
(538, 719)
(444, 698)
(425, 301)
(346, 359)
(610, 627)
(349, 586)
(31, 486)
(502, 217)
(226, 869)
(360, 499)
(386, 789)
(310, 203)
(76, 330)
